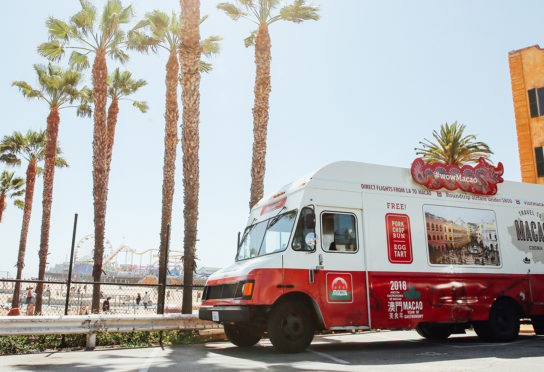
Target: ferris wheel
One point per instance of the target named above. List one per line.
(84, 251)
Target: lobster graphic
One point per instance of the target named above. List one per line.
(481, 179)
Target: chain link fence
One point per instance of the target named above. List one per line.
(122, 298)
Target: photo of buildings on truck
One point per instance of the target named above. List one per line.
(356, 246)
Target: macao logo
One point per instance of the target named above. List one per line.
(340, 290)
(412, 294)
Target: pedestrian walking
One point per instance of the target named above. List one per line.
(48, 293)
(30, 298)
(138, 300)
(146, 299)
(106, 305)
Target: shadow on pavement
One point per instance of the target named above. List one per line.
(327, 353)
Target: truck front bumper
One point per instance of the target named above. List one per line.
(220, 314)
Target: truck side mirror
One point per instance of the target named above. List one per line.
(309, 221)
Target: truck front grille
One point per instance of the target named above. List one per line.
(216, 292)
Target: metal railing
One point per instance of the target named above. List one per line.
(124, 298)
(92, 324)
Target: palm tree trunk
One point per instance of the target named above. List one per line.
(100, 187)
(29, 196)
(52, 133)
(190, 51)
(113, 111)
(169, 169)
(2, 205)
(111, 121)
(260, 113)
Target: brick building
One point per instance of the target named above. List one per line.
(527, 75)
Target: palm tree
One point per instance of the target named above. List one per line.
(262, 13)
(190, 51)
(10, 187)
(85, 36)
(452, 147)
(31, 148)
(159, 31)
(121, 85)
(59, 89)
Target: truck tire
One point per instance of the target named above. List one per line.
(538, 325)
(503, 323)
(241, 336)
(434, 331)
(291, 326)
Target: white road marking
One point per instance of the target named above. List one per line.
(396, 338)
(337, 360)
(149, 360)
(490, 344)
(431, 353)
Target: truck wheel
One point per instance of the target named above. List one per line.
(503, 323)
(434, 331)
(538, 325)
(241, 336)
(291, 326)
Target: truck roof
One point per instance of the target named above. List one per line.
(352, 175)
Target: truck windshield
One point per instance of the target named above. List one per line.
(266, 237)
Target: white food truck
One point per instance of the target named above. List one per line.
(356, 246)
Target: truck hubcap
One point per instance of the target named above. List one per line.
(292, 326)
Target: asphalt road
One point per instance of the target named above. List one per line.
(375, 351)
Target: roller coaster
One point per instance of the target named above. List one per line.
(124, 259)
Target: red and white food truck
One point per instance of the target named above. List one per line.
(356, 246)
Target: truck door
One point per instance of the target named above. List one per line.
(342, 278)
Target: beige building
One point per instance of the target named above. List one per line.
(527, 75)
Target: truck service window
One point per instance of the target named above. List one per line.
(267, 236)
(338, 232)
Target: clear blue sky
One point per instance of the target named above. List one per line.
(366, 83)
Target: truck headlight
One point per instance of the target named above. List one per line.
(247, 289)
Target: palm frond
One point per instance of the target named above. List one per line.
(60, 161)
(141, 42)
(79, 61)
(232, 10)
(52, 50)
(159, 23)
(114, 15)
(299, 11)
(119, 54)
(126, 14)
(9, 158)
(141, 105)
(110, 17)
(19, 203)
(86, 18)
(451, 147)
(250, 40)
(175, 24)
(29, 146)
(27, 90)
(84, 110)
(59, 30)
(203, 18)
(11, 185)
(141, 24)
(205, 67)
(211, 46)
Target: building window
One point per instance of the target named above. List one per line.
(536, 102)
(539, 161)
